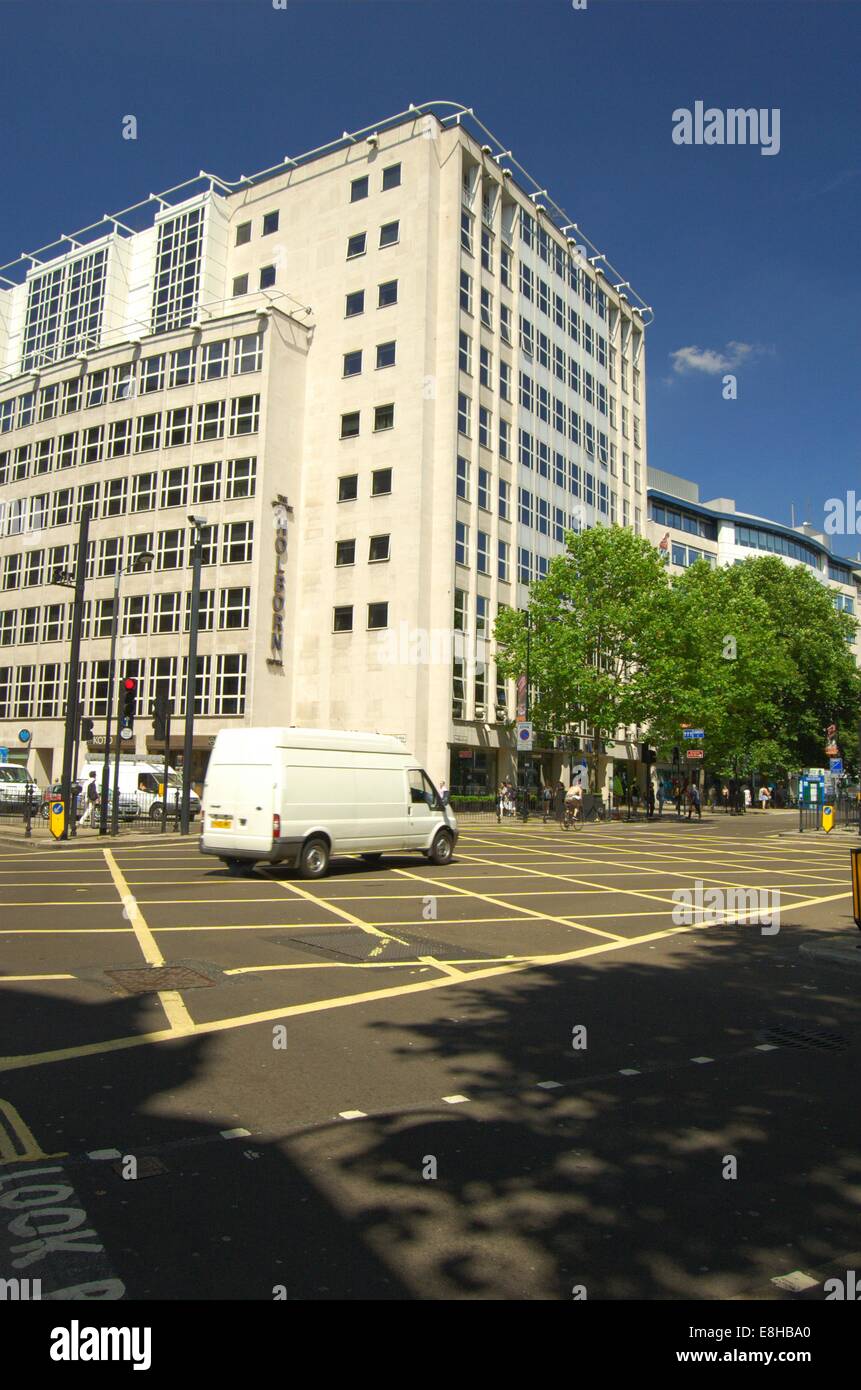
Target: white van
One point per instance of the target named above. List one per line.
(141, 788)
(298, 796)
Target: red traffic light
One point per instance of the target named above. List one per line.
(129, 684)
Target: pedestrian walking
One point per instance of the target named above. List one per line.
(764, 797)
(662, 796)
(547, 800)
(696, 802)
(92, 799)
(650, 799)
(679, 798)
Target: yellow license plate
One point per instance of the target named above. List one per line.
(221, 822)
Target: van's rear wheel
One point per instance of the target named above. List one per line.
(314, 858)
(441, 850)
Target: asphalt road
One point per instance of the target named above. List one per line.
(514, 1077)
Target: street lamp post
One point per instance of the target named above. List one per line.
(72, 687)
(198, 523)
(145, 557)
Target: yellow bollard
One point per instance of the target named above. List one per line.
(827, 818)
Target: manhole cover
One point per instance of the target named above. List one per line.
(361, 946)
(818, 1039)
(153, 979)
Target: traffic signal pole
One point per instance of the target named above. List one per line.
(191, 680)
(69, 740)
(112, 670)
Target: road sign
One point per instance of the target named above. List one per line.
(127, 733)
(832, 750)
(827, 818)
(694, 753)
(24, 735)
(524, 736)
(693, 733)
(835, 765)
(4, 755)
(57, 819)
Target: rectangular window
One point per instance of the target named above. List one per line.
(465, 353)
(505, 323)
(348, 487)
(378, 616)
(378, 549)
(241, 478)
(356, 245)
(484, 489)
(214, 360)
(466, 292)
(115, 497)
(210, 420)
(91, 444)
(152, 375)
(345, 553)
(148, 435)
(391, 177)
(463, 413)
(174, 487)
(244, 415)
(88, 497)
(504, 439)
(485, 424)
(461, 543)
(342, 619)
(350, 424)
(466, 221)
(247, 353)
(55, 622)
(238, 542)
(97, 388)
(48, 402)
(385, 355)
(462, 485)
(359, 189)
(110, 556)
(354, 304)
(67, 450)
(230, 677)
(483, 552)
(206, 486)
(169, 549)
(62, 513)
(119, 438)
(504, 500)
(505, 264)
(234, 609)
(165, 613)
(485, 367)
(243, 233)
(181, 371)
(71, 395)
(240, 286)
(178, 430)
(143, 492)
(267, 277)
(381, 482)
(389, 233)
(352, 363)
(387, 293)
(384, 417)
(487, 308)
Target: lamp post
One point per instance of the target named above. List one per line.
(76, 583)
(138, 562)
(198, 523)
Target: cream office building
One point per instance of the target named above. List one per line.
(386, 376)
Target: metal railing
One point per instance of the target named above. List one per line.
(32, 809)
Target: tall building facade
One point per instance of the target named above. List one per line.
(385, 377)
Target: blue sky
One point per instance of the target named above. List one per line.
(748, 258)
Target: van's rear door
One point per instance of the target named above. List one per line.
(239, 803)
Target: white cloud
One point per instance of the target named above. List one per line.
(709, 360)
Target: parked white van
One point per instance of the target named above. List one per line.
(141, 788)
(299, 796)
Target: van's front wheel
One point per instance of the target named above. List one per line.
(442, 848)
(314, 858)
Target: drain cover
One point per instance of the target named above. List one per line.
(817, 1039)
(153, 979)
(361, 946)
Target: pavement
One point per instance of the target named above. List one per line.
(530, 1072)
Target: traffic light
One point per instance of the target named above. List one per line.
(129, 705)
(86, 730)
(162, 710)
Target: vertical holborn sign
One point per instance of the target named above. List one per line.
(281, 511)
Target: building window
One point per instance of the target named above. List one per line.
(241, 478)
(243, 233)
(177, 270)
(244, 415)
(342, 619)
(352, 363)
(462, 485)
(465, 353)
(345, 553)
(71, 395)
(148, 433)
(356, 245)
(110, 556)
(389, 233)
(247, 353)
(230, 676)
(466, 292)
(381, 482)
(97, 390)
(378, 616)
(463, 413)
(206, 486)
(387, 293)
(210, 421)
(483, 552)
(270, 223)
(169, 549)
(238, 542)
(466, 221)
(461, 543)
(214, 363)
(348, 487)
(391, 177)
(91, 445)
(48, 402)
(485, 366)
(487, 308)
(64, 310)
(166, 612)
(174, 487)
(152, 375)
(234, 609)
(240, 286)
(355, 304)
(350, 424)
(379, 549)
(115, 497)
(485, 424)
(502, 551)
(359, 189)
(181, 372)
(484, 489)
(384, 417)
(178, 430)
(385, 355)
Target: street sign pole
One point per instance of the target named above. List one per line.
(74, 668)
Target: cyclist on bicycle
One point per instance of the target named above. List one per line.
(573, 803)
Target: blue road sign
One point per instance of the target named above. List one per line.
(4, 755)
(24, 735)
(693, 733)
(835, 765)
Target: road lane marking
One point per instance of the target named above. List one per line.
(17, 1142)
(171, 1000)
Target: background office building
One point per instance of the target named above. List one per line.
(387, 375)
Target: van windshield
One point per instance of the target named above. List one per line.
(14, 774)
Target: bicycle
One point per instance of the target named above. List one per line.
(570, 817)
